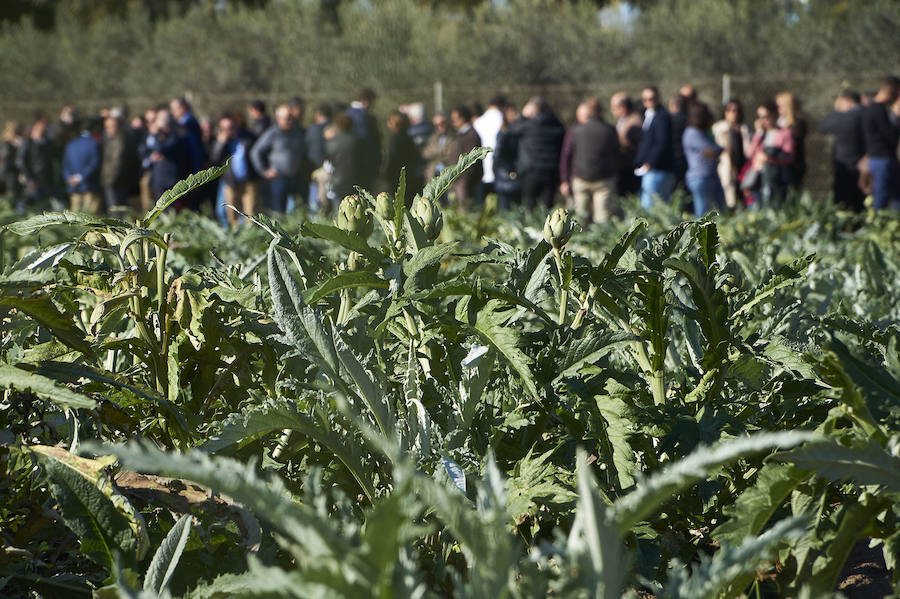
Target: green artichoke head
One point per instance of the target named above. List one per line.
(558, 228)
(353, 216)
(428, 214)
(384, 206)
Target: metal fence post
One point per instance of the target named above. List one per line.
(438, 97)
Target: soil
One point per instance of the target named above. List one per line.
(865, 575)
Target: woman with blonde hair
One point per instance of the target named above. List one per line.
(789, 118)
(9, 174)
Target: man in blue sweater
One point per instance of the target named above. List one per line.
(81, 170)
(655, 158)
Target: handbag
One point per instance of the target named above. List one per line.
(750, 177)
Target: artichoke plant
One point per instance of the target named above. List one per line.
(384, 206)
(428, 214)
(353, 216)
(558, 228)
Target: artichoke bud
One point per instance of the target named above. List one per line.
(95, 239)
(427, 213)
(352, 216)
(384, 206)
(558, 228)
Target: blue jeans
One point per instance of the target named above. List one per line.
(280, 188)
(707, 192)
(656, 183)
(886, 180)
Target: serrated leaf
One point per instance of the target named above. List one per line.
(183, 187)
(438, 186)
(490, 326)
(347, 239)
(344, 280)
(33, 224)
(105, 522)
(867, 465)
(651, 492)
(16, 378)
(42, 310)
(275, 416)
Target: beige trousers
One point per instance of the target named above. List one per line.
(88, 201)
(243, 197)
(595, 201)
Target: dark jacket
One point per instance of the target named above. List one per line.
(592, 153)
(82, 157)
(402, 152)
(315, 144)
(656, 147)
(849, 141)
(35, 161)
(365, 127)
(506, 156)
(343, 152)
(165, 173)
(881, 134)
(540, 144)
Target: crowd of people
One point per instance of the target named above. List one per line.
(115, 163)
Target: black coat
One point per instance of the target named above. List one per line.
(656, 147)
(849, 141)
(540, 144)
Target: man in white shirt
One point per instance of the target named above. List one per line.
(488, 126)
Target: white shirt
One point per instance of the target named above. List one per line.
(488, 126)
(648, 118)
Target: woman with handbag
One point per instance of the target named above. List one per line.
(770, 155)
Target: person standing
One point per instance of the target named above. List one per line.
(847, 149)
(12, 139)
(541, 136)
(732, 134)
(365, 127)
(655, 160)
(279, 156)
(488, 126)
(628, 126)
(315, 155)
(435, 151)
(420, 129)
(507, 182)
(81, 170)
(465, 141)
(165, 156)
(771, 153)
(402, 154)
(342, 154)
(114, 178)
(881, 143)
(789, 118)
(238, 184)
(702, 157)
(589, 164)
(34, 161)
(259, 121)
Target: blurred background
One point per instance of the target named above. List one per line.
(222, 54)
